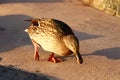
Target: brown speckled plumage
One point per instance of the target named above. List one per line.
(54, 36)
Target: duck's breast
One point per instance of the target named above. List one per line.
(52, 43)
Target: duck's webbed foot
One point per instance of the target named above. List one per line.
(52, 58)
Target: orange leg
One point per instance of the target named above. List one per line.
(36, 55)
(52, 58)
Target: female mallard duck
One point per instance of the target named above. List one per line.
(54, 36)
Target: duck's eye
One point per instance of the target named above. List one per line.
(35, 24)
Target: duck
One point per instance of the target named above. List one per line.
(55, 36)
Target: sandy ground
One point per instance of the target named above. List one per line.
(98, 34)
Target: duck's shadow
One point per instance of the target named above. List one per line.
(111, 53)
(64, 58)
